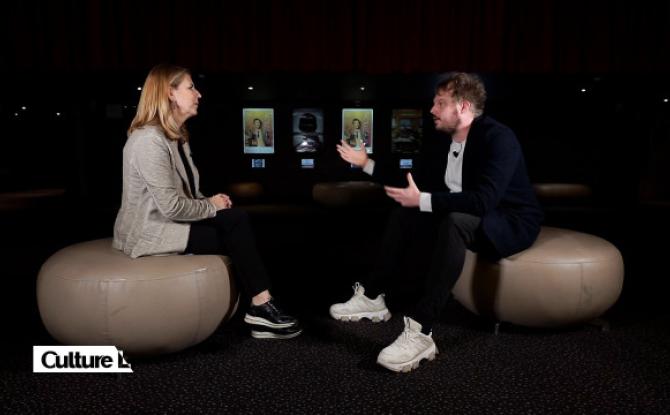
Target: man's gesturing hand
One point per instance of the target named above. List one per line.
(408, 196)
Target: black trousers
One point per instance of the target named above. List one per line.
(431, 245)
(229, 233)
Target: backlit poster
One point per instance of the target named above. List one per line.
(307, 130)
(258, 130)
(357, 127)
(406, 130)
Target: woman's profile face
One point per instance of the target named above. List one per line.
(185, 98)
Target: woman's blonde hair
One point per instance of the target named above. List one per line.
(154, 107)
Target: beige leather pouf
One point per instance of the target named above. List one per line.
(566, 277)
(92, 294)
(337, 194)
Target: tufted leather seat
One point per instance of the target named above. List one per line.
(90, 293)
(338, 194)
(566, 277)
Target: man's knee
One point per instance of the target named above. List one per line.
(463, 224)
(463, 219)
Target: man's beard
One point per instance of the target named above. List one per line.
(450, 129)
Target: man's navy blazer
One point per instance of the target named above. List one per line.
(495, 184)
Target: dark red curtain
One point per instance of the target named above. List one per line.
(369, 36)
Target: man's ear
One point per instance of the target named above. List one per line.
(465, 105)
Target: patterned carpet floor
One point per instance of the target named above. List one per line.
(331, 369)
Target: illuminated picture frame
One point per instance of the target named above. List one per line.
(406, 130)
(259, 131)
(357, 127)
(307, 130)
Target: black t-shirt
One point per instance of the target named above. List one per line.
(187, 166)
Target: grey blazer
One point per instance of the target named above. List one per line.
(156, 204)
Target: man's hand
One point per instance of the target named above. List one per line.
(221, 201)
(408, 196)
(356, 157)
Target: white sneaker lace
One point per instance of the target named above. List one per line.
(357, 286)
(405, 339)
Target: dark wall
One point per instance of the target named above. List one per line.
(371, 36)
(84, 61)
(75, 68)
(611, 136)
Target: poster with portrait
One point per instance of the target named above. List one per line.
(357, 127)
(259, 131)
(406, 130)
(307, 130)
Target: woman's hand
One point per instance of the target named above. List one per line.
(356, 157)
(221, 201)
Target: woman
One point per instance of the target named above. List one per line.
(164, 212)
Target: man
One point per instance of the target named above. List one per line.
(258, 137)
(357, 138)
(471, 191)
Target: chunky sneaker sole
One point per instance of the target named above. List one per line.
(259, 334)
(260, 321)
(374, 316)
(408, 366)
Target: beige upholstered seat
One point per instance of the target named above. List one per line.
(546, 191)
(245, 191)
(566, 277)
(338, 194)
(90, 293)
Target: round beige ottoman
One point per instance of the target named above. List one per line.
(562, 190)
(337, 194)
(245, 191)
(92, 294)
(566, 277)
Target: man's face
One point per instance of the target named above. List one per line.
(446, 112)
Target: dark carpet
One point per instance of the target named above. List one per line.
(331, 369)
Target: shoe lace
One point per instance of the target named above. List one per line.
(357, 287)
(271, 305)
(407, 337)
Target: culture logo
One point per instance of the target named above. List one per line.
(79, 359)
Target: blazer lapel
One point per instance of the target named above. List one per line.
(470, 156)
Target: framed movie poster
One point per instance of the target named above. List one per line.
(357, 127)
(406, 130)
(307, 130)
(259, 130)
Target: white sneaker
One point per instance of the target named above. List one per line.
(359, 306)
(412, 346)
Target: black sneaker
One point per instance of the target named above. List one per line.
(269, 315)
(262, 332)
